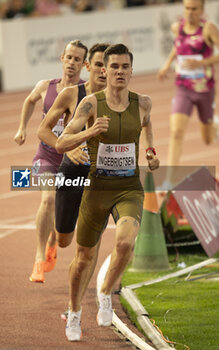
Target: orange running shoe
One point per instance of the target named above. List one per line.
(51, 253)
(38, 272)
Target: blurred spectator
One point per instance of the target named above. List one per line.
(21, 8)
(16, 9)
(46, 8)
(109, 4)
(84, 5)
(3, 8)
(130, 3)
(65, 6)
(29, 7)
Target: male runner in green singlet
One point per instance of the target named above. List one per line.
(115, 118)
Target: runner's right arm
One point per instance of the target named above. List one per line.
(162, 74)
(28, 108)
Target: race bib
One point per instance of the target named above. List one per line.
(85, 149)
(116, 160)
(59, 127)
(189, 73)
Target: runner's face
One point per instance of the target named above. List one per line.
(193, 11)
(97, 74)
(73, 60)
(119, 70)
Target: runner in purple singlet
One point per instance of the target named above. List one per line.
(46, 159)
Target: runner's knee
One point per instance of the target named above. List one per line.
(177, 133)
(127, 229)
(124, 246)
(64, 239)
(48, 200)
(84, 257)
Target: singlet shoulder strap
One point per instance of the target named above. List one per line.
(51, 94)
(133, 96)
(100, 96)
(181, 25)
(54, 81)
(81, 92)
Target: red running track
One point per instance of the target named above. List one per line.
(30, 313)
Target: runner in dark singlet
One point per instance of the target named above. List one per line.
(75, 164)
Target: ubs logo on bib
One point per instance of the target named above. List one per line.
(121, 148)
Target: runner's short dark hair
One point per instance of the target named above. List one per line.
(117, 49)
(99, 47)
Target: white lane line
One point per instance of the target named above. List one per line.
(17, 150)
(18, 219)
(5, 234)
(11, 231)
(13, 194)
(18, 227)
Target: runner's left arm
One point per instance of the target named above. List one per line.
(145, 109)
(213, 34)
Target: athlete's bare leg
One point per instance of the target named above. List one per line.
(126, 232)
(45, 223)
(52, 238)
(178, 125)
(80, 273)
(207, 132)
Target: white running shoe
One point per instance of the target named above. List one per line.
(73, 328)
(105, 313)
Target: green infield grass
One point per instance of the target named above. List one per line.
(186, 309)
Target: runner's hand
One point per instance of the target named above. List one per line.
(20, 137)
(100, 125)
(78, 155)
(163, 73)
(153, 161)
